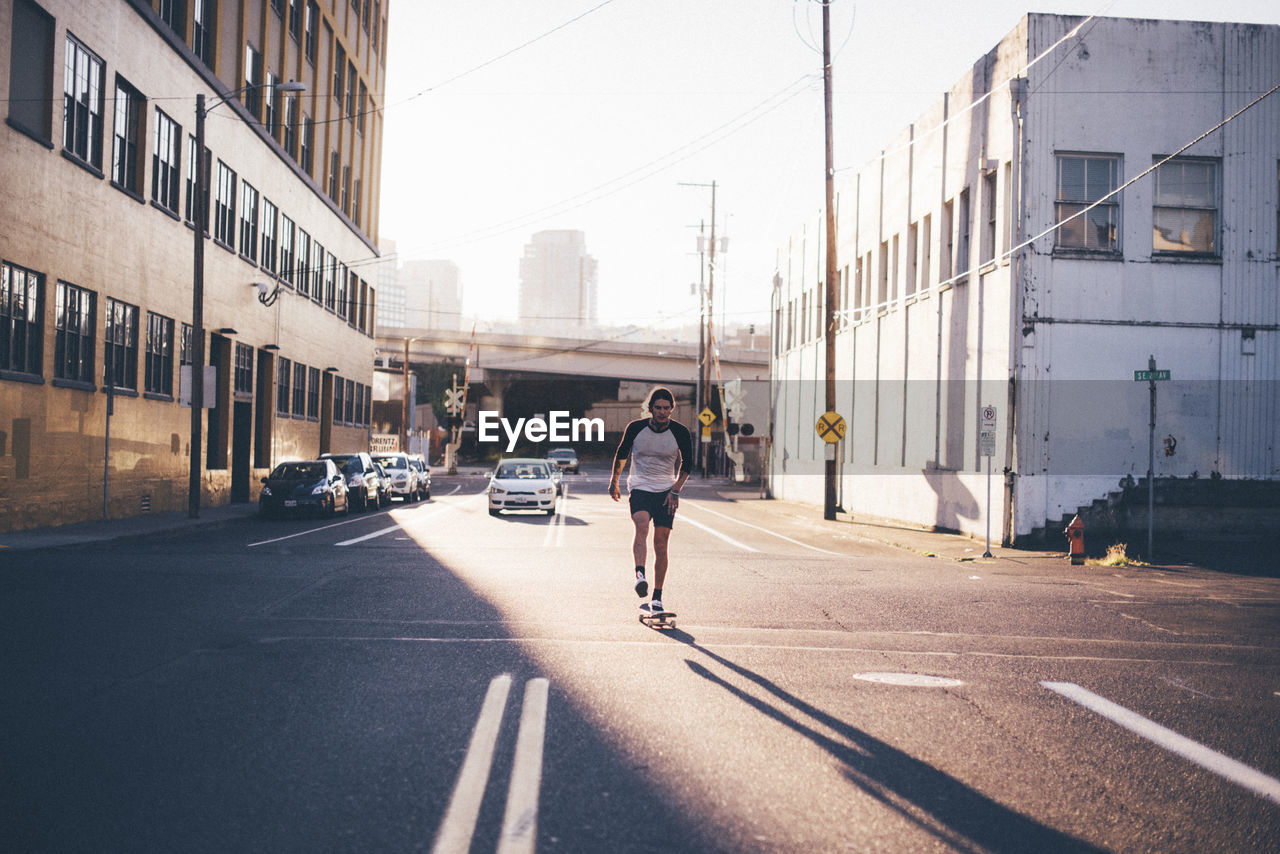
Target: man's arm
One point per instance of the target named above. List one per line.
(620, 457)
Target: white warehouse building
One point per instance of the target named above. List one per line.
(965, 283)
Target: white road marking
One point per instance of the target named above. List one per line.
(410, 523)
(555, 529)
(730, 540)
(765, 530)
(1193, 751)
(459, 824)
(520, 822)
(308, 531)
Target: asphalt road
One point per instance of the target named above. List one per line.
(430, 676)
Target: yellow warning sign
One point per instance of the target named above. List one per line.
(706, 416)
(830, 427)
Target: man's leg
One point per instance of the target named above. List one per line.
(638, 546)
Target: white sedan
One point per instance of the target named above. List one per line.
(522, 484)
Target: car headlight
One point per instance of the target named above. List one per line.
(546, 491)
(354, 480)
(497, 490)
(320, 489)
(266, 491)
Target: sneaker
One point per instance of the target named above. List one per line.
(656, 606)
(642, 585)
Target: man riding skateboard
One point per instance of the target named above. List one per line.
(661, 455)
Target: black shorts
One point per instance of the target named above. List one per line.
(653, 503)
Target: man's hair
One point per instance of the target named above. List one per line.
(660, 393)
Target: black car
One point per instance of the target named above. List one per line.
(313, 485)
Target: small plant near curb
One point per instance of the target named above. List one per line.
(1116, 556)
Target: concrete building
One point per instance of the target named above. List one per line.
(99, 188)
(432, 294)
(558, 287)
(967, 280)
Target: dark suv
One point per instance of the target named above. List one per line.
(363, 484)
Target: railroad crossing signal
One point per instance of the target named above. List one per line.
(830, 427)
(453, 400)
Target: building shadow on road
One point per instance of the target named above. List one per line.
(933, 800)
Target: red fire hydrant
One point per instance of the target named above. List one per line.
(1075, 536)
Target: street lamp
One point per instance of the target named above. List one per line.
(199, 216)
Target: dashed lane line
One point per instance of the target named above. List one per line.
(410, 523)
(332, 525)
(730, 540)
(1211, 760)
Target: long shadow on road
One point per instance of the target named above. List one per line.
(933, 800)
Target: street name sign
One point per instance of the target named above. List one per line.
(1149, 376)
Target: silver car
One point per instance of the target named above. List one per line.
(405, 480)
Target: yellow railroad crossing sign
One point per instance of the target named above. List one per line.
(706, 416)
(830, 427)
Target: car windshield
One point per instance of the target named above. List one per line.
(560, 454)
(299, 471)
(393, 462)
(350, 465)
(521, 471)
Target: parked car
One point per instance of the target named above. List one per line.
(405, 479)
(304, 485)
(557, 476)
(384, 485)
(522, 484)
(424, 474)
(565, 458)
(361, 475)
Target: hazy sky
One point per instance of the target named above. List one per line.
(594, 126)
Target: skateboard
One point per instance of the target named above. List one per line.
(657, 619)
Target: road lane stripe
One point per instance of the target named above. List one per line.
(520, 822)
(1193, 751)
(435, 511)
(459, 824)
(730, 540)
(764, 530)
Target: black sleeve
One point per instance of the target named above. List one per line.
(685, 442)
(628, 436)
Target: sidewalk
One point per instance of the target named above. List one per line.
(142, 525)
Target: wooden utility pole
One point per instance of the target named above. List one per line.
(829, 502)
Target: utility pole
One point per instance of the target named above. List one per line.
(829, 503)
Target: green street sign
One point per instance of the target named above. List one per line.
(1147, 376)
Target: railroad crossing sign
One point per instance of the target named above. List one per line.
(830, 427)
(706, 416)
(453, 400)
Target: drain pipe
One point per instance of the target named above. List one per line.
(1018, 112)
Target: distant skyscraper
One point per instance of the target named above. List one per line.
(390, 291)
(558, 280)
(433, 294)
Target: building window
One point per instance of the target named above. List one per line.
(302, 262)
(120, 346)
(249, 222)
(31, 71)
(271, 105)
(377, 21)
(346, 189)
(224, 207)
(351, 91)
(82, 86)
(1082, 181)
(244, 369)
(130, 109)
(269, 217)
(350, 402)
(313, 17)
(166, 156)
(21, 320)
(339, 66)
(330, 293)
(339, 388)
(963, 234)
(174, 13)
(987, 251)
(295, 19)
(355, 204)
(317, 271)
(74, 321)
(333, 175)
(946, 244)
(306, 150)
(364, 99)
(1185, 216)
(184, 345)
(299, 390)
(277, 6)
(344, 291)
(926, 250)
(290, 136)
(286, 249)
(158, 376)
(252, 95)
(283, 395)
(204, 25)
(313, 393)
